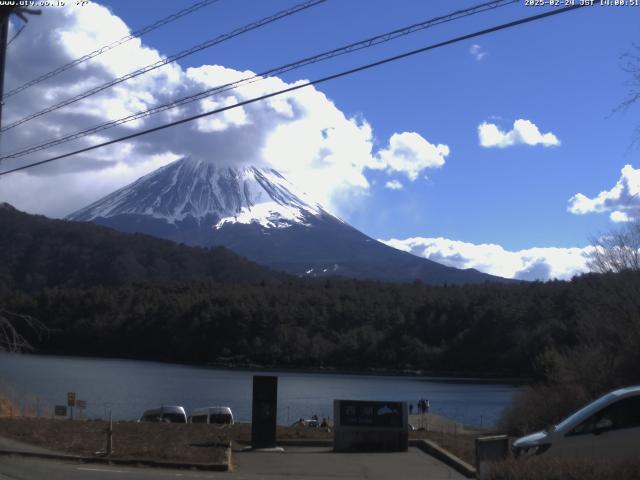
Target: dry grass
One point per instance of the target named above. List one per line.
(7, 407)
(550, 468)
(462, 445)
(155, 441)
(179, 442)
(536, 407)
(159, 441)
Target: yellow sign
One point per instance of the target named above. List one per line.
(71, 399)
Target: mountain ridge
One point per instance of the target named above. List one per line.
(258, 214)
(196, 189)
(38, 252)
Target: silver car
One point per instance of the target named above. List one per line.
(217, 415)
(608, 427)
(166, 413)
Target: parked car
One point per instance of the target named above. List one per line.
(217, 415)
(309, 422)
(166, 413)
(607, 428)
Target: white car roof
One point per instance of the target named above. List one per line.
(211, 410)
(165, 409)
(586, 411)
(627, 391)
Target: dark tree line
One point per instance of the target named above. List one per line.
(562, 331)
(37, 252)
(100, 292)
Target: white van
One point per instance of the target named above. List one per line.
(608, 428)
(217, 415)
(166, 413)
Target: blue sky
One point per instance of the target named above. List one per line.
(563, 74)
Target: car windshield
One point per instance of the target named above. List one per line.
(583, 412)
(174, 417)
(220, 418)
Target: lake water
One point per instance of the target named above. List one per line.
(128, 387)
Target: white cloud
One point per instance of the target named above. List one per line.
(477, 52)
(411, 154)
(229, 118)
(303, 134)
(530, 264)
(524, 132)
(394, 185)
(45, 194)
(618, 216)
(622, 200)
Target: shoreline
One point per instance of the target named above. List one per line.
(452, 376)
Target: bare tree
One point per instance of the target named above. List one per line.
(631, 65)
(11, 326)
(618, 250)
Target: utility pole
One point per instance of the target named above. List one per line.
(5, 12)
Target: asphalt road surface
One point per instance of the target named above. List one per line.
(22, 468)
(295, 463)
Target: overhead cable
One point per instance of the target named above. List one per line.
(369, 42)
(17, 34)
(305, 84)
(138, 33)
(165, 61)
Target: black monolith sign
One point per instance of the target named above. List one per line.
(264, 412)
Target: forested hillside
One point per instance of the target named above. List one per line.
(487, 330)
(37, 252)
(100, 292)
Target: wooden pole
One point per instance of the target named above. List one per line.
(110, 436)
(4, 33)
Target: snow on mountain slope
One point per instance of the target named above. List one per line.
(258, 214)
(198, 189)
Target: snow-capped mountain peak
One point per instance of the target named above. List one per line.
(258, 214)
(198, 189)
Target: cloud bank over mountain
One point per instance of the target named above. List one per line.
(544, 263)
(303, 134)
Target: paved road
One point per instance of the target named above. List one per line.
(295, 463)
(323, 464)
(20, 468)
(16, 446)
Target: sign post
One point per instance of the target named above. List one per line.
(82, 408)
(264, 412)
(110, 436)
(60, 411)
(71, 401)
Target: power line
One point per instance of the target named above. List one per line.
(306, 84)
(369, 42)
(17, 34)
(165, 61)
(138, 33)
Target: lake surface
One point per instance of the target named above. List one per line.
(128, 387)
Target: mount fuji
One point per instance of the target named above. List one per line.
(258, 214)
